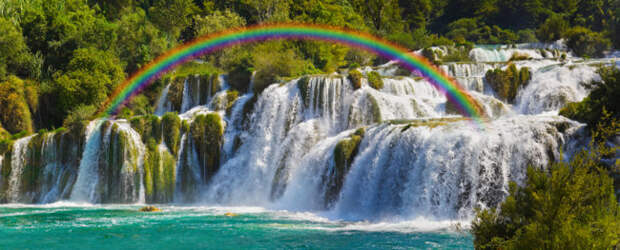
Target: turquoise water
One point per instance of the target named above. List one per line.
(121, 226)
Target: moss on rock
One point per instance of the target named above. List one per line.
(374, 80)
(207, 133)
(159, 174)
(344, 154)
(356, 78)
(171, 131)
(148, 127)
(507, 83)
(303, 86)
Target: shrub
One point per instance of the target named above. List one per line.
(78, 117)
(527, 36)
(15, 114)
(552, 29)
(587, 43)
(507, 83)
(274, 60)
(356, 78)
(375, 81)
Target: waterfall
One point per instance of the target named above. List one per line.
(84, 188)
(18, 159)
(315, 143)
(163, 104)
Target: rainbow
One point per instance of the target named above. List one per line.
(210, 43)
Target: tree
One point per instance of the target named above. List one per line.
(15, 115)
(587, 43)
(15, 57)
(569, 206)
(139, 41)
(91, 77)
(173, 16)
(553, 29)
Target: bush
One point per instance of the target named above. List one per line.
(587, 43)
(15, 114)
(569, 206)
(356, 78)
(519, 57)
(274, 60)
(553, 29)
(507, 83)
(375, 81)
(602, 99)
(78, 117)
(527, 36)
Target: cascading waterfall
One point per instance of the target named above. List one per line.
(87, 176)
(315, 144)
(163, 104)
(18, 160)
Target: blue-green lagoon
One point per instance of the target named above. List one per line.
(69, 226)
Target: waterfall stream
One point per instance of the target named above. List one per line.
(316, 144)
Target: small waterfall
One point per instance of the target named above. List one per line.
(554, 86)
(84, 188)
(163, 104)
(18, 160)
(186, 101)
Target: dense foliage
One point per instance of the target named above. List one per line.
(75, 52)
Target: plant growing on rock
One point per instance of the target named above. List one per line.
(356, 78)
(344, 153)
(171, 131)
(207, 135)
(507, 83)
(374, 80)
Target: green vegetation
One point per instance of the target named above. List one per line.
(207, 133)
(15, 115)
(344, 153)
(507, 83)
(587, 43)
(159, 174)
(571, 205)
(149, 127)
(75, 53)
(603, 99)
(171, 131)
(374, 80)
(356, 78)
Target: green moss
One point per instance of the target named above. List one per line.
(171, 130)
(374, 80)
(207, 135)
(520, 57)
(344, 154)
(231, 98)
(507, 83)
(148, 127)
(356, 78)
(159, 174)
